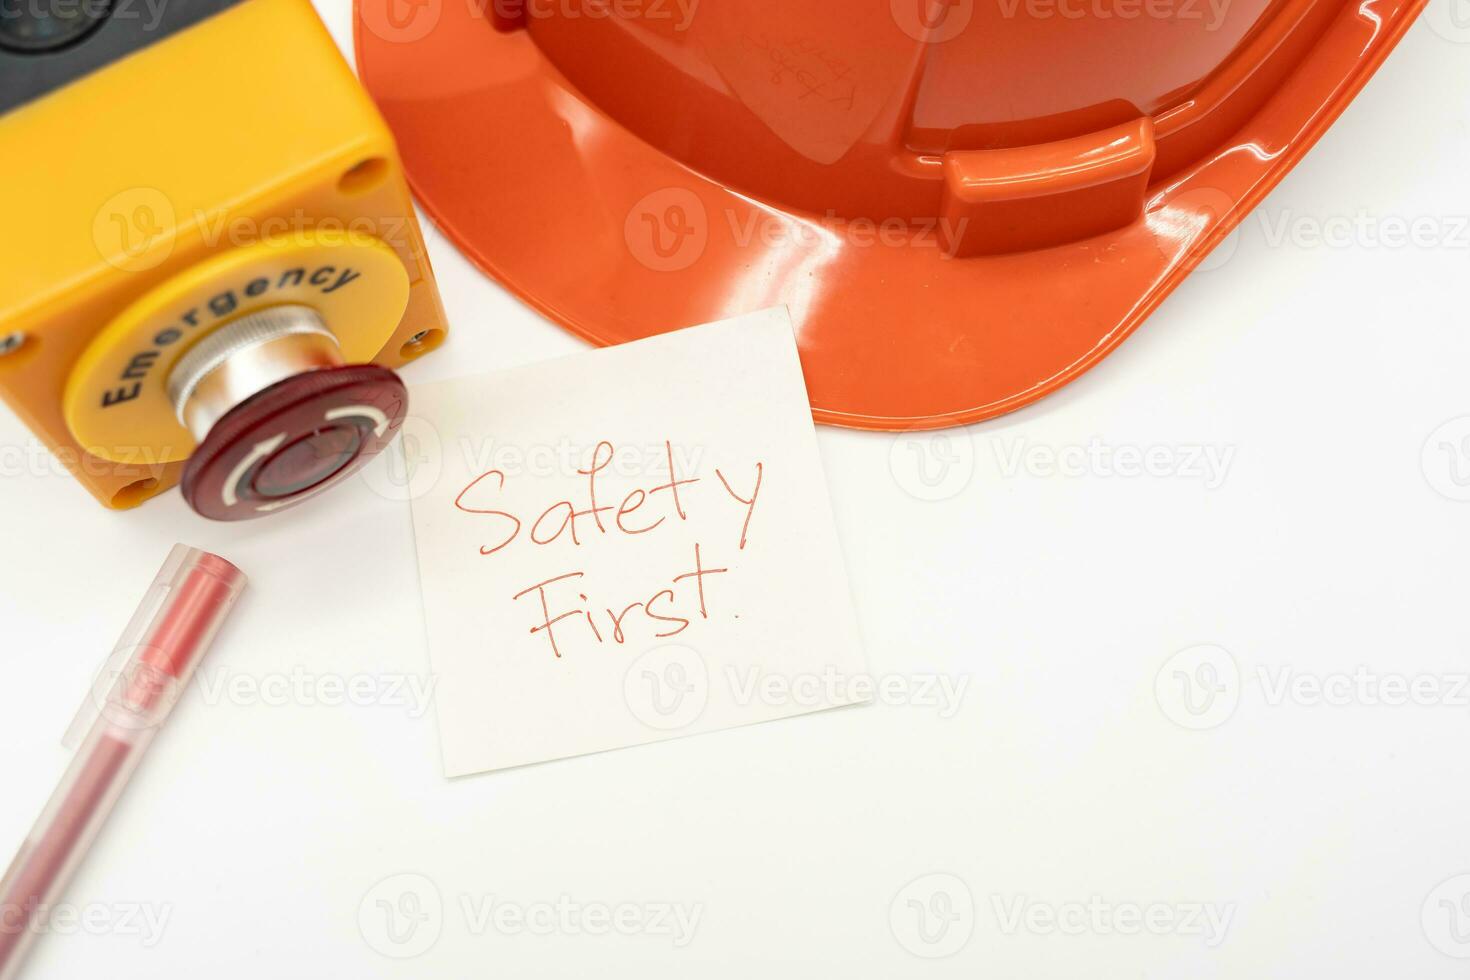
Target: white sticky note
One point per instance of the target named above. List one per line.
(581, 595)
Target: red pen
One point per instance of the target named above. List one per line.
(144, 678)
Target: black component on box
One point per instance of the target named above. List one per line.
(45, 44)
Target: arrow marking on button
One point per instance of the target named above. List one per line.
(380, 419)
(262, 449)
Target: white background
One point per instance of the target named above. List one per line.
(1332, 834)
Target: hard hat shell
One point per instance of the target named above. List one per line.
(964, 204)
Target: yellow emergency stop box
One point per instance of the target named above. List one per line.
(220, 169)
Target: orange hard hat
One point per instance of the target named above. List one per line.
(964, 204)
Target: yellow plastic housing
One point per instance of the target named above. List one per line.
(244, 132)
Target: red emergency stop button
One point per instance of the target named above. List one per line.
(290, 440)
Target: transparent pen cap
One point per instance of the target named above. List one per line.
(162, 645)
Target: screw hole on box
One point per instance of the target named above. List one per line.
(421, 343)
(14, 347)
(135, 493)
(363, 176)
